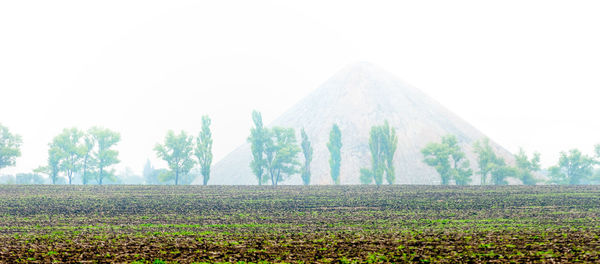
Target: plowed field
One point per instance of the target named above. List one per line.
(294, 224)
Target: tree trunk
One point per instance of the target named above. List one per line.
(100, 176)
(176, 177)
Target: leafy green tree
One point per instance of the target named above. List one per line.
(177, 151)
(448, 160)
(572, 168)
(437, 155)
(52, 169)
(104, 156)
(390, 143)
(88, 159)
(366, 176)
(491, 164)
(499, 171)
(525, 167)
(204, 149)
(307, 151)
(335, 145)
(281, 154)
(486, 158)
(383, 142)
(259, 135)
(10, 147)
(70, 149)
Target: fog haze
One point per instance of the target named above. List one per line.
(525, 73)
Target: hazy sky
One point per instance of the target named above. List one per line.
(526, 73)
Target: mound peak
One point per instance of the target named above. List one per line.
(357, 97)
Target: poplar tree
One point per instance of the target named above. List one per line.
(307, 152)
(204, 149)
(334, 145)
(383, 142)
(258, 139)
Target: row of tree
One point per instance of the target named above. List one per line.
(182, 152)
(448, 159)
(275, 157)
(90, 155)
(275, 153)
(87, 153)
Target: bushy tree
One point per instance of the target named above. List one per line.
(204, 149)
(448, 160)
(383, 142)
(52, 169)
(499, 171)
(492, 164)
(525, 167)
(281, 154)
(10, 147)
(177, 151)
(104, 156)
(307, 152)
(259, 135)
(573, 168)
(335, 156)
(70, 150)
(486, 158)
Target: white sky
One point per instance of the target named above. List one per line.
(526, 73)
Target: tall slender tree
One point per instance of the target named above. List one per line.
(204, 149)
(390, 140)
(383, 142)
(10, 147)
(177, 151)
(378, 158)
(307, 152)
(104, 156)
(258, 139)
(335, 159)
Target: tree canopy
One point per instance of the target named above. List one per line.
(383, 142)
(259, 135)
(448, 160)
(307, 152)
(203, 149)
(177, 151)
(573, 168)
(335, 156)
(281, 154)
(10, 147)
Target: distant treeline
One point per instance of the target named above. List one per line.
(88, 157)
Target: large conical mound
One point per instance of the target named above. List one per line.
(356, 98)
